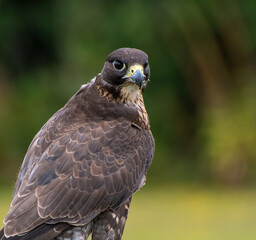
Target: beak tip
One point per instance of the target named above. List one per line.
(138, 78)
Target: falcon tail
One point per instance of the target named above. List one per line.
(42, 232)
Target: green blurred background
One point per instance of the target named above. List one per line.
(201, 101)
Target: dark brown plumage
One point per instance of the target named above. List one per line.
(83, 166)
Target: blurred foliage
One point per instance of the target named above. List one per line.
(201, 97)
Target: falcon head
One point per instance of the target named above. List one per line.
(127, 69)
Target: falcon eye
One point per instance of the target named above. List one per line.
(146, 64)
(118, 65)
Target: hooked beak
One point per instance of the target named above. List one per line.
(135, 75)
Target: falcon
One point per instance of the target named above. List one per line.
(82, 168)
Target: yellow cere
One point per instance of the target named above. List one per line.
(132, 69)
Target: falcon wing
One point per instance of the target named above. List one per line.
(71, 175)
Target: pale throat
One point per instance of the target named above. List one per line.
(130, 94)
